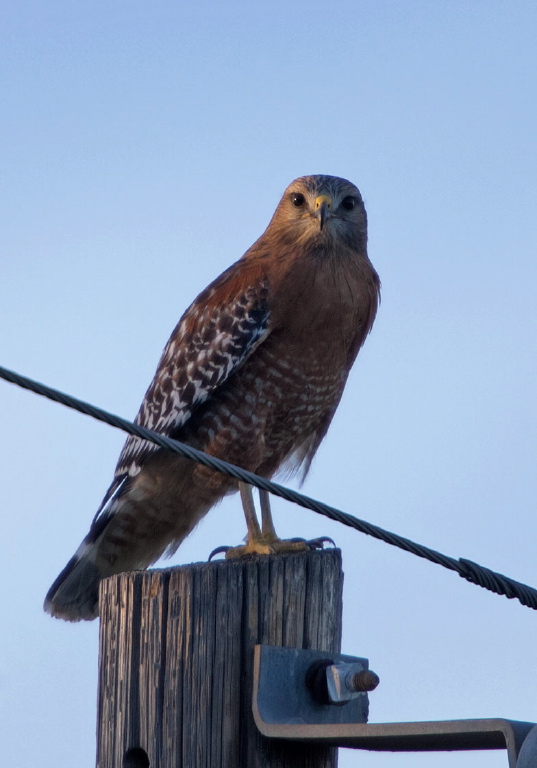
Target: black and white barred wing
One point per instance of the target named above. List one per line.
(211, 340)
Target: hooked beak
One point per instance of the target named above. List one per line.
(323, 204)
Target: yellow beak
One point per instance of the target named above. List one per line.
(323, 204)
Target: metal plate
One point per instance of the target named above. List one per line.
(282, 695)
(283, 708)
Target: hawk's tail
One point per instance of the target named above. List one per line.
(74, 596)
(132, 532)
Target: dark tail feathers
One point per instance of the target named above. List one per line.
(74, 596)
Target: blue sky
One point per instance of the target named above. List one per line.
(143, 149)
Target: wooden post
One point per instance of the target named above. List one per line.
(176, 656)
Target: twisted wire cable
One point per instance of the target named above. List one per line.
(467, 569)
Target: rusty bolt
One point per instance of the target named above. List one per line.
(362, 681)
(348, 680)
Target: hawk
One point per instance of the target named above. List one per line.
(252, 374)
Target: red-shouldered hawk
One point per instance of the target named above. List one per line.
(253, 374)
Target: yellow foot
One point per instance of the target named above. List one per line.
(267, 547)
(271, 546)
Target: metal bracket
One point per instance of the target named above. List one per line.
(284, 707)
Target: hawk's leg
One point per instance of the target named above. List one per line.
(267, 524)
(285, 545)
(248, 506)
(261, 540)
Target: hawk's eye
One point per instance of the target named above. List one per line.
(298, 199)
(348, 203)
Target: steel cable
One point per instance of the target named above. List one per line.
(472, 572)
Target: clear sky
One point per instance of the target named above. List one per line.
(143, 148)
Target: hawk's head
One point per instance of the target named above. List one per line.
(321, 210)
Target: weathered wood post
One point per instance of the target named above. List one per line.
(176, 656)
